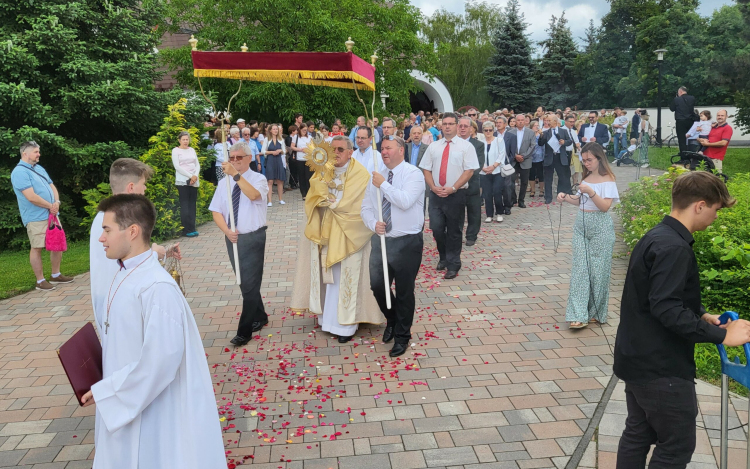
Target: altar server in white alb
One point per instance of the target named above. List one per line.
(155, 406)
(402, 192)
(126, 176)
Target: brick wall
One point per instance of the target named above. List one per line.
(170, 41)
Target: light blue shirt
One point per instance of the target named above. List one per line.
(353, 136)
(414, 153)
(435, 133)
(24, 176)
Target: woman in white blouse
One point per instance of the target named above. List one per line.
(593, 240)
(490, 179)
(187, 167)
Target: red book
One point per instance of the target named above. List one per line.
(81, 357)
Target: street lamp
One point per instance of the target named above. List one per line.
(659, 60)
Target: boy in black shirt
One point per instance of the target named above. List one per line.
(661, 320)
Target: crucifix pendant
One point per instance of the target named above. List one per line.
(106, 327)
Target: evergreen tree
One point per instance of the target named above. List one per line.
(510, 74)
(556, 83)
(591, 37)
(77, 77)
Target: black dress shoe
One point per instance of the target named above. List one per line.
(521, 205)
(507, 211)
(471, 242)
(344, 339)
(398, 350)
(259, 325)
(441, 266)
(451, 274)
(239, 340)
(388, 334)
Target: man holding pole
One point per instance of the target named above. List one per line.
(332, 279)
(244, 209)
(402, 189)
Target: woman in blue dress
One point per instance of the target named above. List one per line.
(273, 151)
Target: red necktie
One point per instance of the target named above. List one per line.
(444, 164)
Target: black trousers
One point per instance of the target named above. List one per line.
(493, 186)
(660, 412)
(251, 248)
(404, 255)
(563, 178)
(473, 216)
(447, 225)
(188, 199)
(507, 191)
(303, 177)
(524, 175)
(682, 127)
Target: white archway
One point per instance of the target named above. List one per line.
(435, 91)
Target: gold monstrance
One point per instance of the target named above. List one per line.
(320, 159)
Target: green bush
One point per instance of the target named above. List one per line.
(161, 189)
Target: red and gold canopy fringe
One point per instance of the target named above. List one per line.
(335, 69)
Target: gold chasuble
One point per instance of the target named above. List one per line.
(335, 233)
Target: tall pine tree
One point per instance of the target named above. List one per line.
(510, 74)
(77, 77)
(556, 83)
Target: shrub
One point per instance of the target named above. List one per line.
(161, 189)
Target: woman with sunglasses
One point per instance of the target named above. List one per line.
(490, 179)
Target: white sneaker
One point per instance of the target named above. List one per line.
(282, 202)
(499, 218)
(270, 204)
(488, 220)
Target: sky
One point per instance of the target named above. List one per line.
(538, 12)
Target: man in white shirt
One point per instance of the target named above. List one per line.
(249, 194)
(361, 123)
(155, 404)
(448, 164)
(126, 176)
(403, 221)
(620, 125)
(363, 154)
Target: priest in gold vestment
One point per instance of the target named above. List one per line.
(332, 277)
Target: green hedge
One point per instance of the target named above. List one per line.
(722, 251)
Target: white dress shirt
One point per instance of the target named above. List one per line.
(406, 195)
(365, 159)
(252, 213)
(519, 138)
(461, 157)
(574, 137)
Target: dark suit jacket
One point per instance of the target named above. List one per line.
(683, 107)
(547, 135)
(511, 145)
(600, 134)
(474, 181)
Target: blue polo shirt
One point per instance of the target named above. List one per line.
(24, 176)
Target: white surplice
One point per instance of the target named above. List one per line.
(155, 406)
(365, 158)
(102, 269)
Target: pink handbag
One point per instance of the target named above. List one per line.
(55, 237)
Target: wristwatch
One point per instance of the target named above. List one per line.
(454, 189)
(236, 177)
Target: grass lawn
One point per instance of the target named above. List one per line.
(18, 277)
(737, 160)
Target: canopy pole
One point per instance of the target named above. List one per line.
(377, 190)
(224, 151)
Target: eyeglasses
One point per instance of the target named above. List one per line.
(488, 130)
(472, 115)
(236, 158)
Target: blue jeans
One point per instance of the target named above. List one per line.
(621, 154)
(621, 140)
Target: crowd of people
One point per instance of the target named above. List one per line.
(362, 237)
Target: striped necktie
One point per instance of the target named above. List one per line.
(236, 203)
(387, 207)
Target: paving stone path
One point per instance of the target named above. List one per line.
(494, 379)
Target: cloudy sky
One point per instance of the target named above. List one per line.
(538, 12)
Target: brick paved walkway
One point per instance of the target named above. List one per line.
(494, 378)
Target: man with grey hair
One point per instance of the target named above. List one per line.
(473, 196)
(249, 193)
(37, 199)
(403, 221)
(389, 128)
